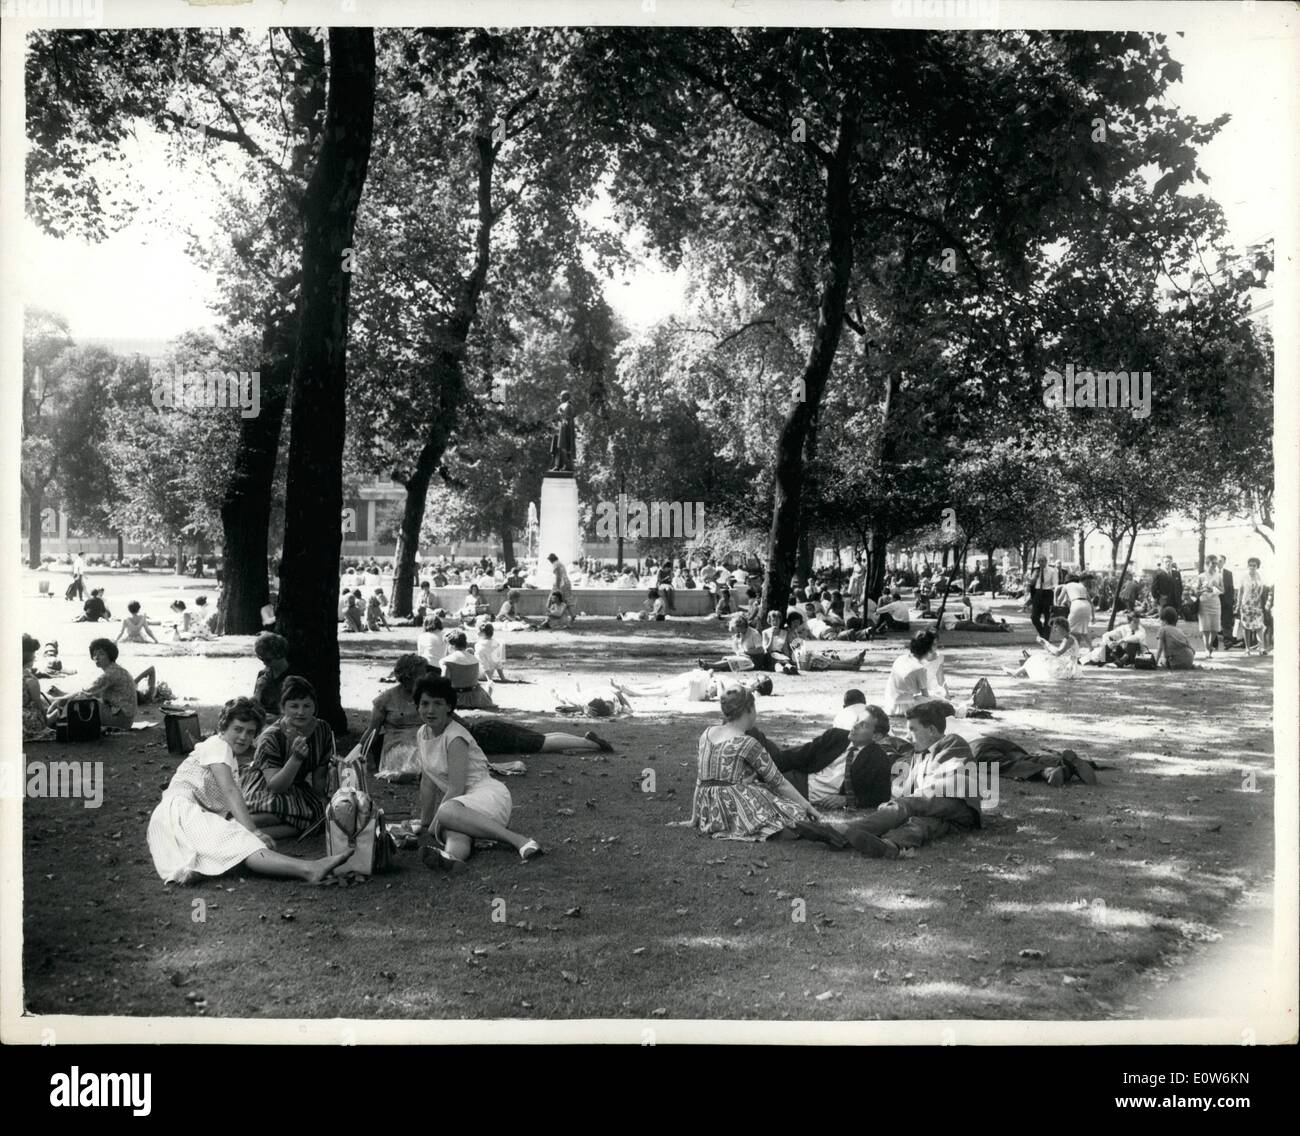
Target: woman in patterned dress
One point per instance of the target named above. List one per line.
(202, 826)
(1250, 610)
(394, 713)
(35, 727)
(285, 783)
(115, 689)
(739, 792)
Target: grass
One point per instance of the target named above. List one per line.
(627, 917)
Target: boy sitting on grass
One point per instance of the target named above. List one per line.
(922, 809)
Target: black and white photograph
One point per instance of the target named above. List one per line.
(651, 522)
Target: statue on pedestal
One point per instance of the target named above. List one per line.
(564, 442)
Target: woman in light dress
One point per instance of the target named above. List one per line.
(455, 768)
(1209, 611)
(430, 644)
(781, 644)
(1059, 658)
(908, 683)
(394, 714)
(35, 726)
(746, 649)
(1250, 613)
(1075, 593)
(202, 826)
(135, 625)
(739, 792)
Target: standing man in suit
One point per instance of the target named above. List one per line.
(1043, 584)
(1227, 604)
(1162, 587)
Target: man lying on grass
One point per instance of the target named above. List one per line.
(925, 806)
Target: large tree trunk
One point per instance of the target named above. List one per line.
(246, 506)
(1119, 583)
(308, 612)
(408, 533)
(121, 548)
(1083, 540)
(876, 555)
(783, 541)
(507, 544)
(35, 506)
(180, 558)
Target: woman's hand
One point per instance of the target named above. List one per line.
(813, 814)
(299, 748)
(266, 839)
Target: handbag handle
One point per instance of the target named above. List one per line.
(84, 711)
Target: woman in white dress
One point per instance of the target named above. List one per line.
(430, 644)
(454, 767)
(1059, 658)
(202, 826)
(908, 683)
(1075, 594)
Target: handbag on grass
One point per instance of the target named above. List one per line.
(982, 697)
(82, 722)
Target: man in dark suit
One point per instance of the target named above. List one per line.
(1042, 584)
(1162, 587)
(842, 767)
(1227, 606)
(934, 796)
(1176, 580)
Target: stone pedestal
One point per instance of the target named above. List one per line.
(557, 529)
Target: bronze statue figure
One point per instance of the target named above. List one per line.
(564, 442)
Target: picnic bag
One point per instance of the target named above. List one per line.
(982, 697)
(82, 723)
(183, 732)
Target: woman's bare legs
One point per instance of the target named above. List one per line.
(456, 820)
(556, 742)
(273, 826)
(268, 863)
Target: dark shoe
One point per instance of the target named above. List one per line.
(871, 845)
(815, 830)
(592, 736)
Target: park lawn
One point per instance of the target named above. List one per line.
(627, 917)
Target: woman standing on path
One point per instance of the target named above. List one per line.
(1209, 590)
(1251, 611)
(202, 826)
(1075, 594)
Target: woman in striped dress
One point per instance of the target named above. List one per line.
(202, 826)
(285, 783)
(739, 792)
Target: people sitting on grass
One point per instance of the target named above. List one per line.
(908, 683)
(36, 727)
(353, 612)
(930, 801)
(747, 651)
(491, 654)
(430, 644)
(653, 608)
(893, 614)
(559, 614)
(395, 718)
(273, 650)
(781, 644)
(461, 668)
(285, 783)
(473, 607)
(1057, 661)
(114, 689)
(1172, 644)
(94, 609)
(509, 617)
(207, 623)
(739, 792)
(203, 825)
(454, 767)
(845, 766)
(723, 609)
(1121, 646)
(375, 617)
(135, 625)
